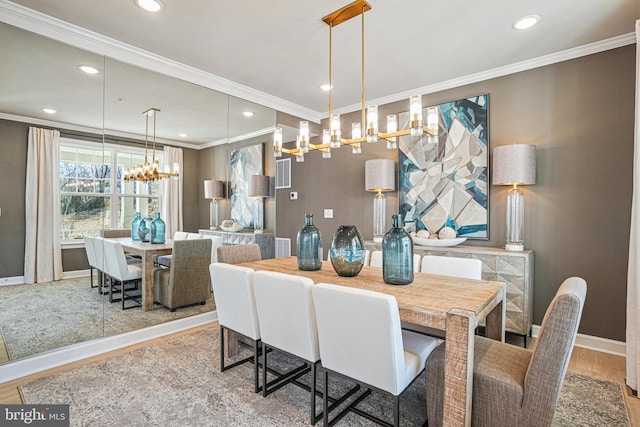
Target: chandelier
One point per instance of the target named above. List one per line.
(332, 137)
(150, 171)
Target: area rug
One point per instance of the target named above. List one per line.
(178, 382)
(41, 317)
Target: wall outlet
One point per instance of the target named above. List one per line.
(293, 195)
(328, 213)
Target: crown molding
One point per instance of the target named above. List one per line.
(529, 64)
(238, 138)
(48, 26)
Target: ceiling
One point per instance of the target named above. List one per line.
(279, 49)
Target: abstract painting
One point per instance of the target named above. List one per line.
(444, 178)
(245, 161)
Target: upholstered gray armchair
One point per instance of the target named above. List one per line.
(513, 386)
(187, 281)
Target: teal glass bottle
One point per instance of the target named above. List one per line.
(135, 224)
(309, 242)
(158, 228)
(397, 255)
(347, 251)
(144, 229)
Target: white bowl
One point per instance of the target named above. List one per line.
(438, 242)
(234, 228)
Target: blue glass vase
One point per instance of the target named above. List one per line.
(397, 255)
(347, 251)
(144, 229)
(135, 224)
(309, 242)
(158, 228)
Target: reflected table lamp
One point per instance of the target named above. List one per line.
(213, 190)
(379, 176)
(259, 189)
(514, 165)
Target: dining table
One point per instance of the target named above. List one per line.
(146, 251)
(453, 305)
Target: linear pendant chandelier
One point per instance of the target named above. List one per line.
(149, 171)
(332, 137)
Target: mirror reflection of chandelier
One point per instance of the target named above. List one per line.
(332, 137)
(150, 171)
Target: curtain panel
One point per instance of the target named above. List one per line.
(171, 193)
(42, 254)
(633, 281)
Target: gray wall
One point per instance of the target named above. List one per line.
(579, 113)
(13, 169)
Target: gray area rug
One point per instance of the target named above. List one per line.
(41, 317)
(178, 382)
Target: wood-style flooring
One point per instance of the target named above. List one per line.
(583, 361)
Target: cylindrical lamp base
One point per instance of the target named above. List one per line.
(379, 207)
(515, 219)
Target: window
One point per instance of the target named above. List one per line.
(93, 192)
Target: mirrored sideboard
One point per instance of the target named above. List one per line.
(266, 241)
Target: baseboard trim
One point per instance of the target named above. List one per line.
(604, 345)
(16, 280)
(73, 274)
(72, 353)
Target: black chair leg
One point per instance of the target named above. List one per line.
(325, 400)
(264, 370)
(396, 411)
(221, 348)
(313, 393)
(256, 372)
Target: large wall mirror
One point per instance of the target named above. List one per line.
(102, 130)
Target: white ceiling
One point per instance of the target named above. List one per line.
(280, 48)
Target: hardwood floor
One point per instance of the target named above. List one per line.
(583, 361)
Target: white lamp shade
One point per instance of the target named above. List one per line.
(514, 164)
(259, 186)
(213, 189)
(379, 175)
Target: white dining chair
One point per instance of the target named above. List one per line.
(288, 324)
(103, 275)
(360, 338)
(236, 309)
(194, 236)
(376, 260)
(122, 273)
(91, 259)
(467, 268)
(180, 235)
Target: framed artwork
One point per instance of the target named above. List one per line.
(244, 162)
(443, 179)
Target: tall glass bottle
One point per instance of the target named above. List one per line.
(347, 251)
(397, 255)
(309, 242)
(144, 229)
(158, 228)
(135, 224)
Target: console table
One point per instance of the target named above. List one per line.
(266, 241)
(513, 268)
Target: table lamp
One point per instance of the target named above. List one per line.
(514, 165)
(259, 189)
(213, 190)
(379, 176)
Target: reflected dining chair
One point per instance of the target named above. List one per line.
(467, 268)
(237, 254)
(513, 386)
(187, 281)
(91, 259)
(121, 273)
(236, 309)
(287, 324)
(360, 338)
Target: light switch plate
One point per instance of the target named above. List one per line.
(328, 213)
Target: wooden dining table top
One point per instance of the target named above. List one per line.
(425, 301)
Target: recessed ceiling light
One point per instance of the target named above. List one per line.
(150, 5)
(248, 113)
(326, 87)
(183, 135)
(88, 69)
(526, 22)
(49, 110)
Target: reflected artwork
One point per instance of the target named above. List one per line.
(245, 161)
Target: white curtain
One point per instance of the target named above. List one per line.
(42, 254)
(171, 193)
(633, 281)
